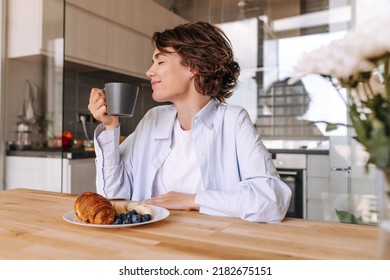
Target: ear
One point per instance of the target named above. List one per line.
(191, 73)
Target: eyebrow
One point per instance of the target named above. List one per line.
(157, 55)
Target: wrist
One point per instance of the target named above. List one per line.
(193, 205)
(112, 125)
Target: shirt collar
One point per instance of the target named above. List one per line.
(166, 121)
(207, 113)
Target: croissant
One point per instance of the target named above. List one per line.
(93, 208)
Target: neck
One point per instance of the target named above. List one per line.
(187, 111)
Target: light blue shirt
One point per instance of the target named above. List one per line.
(239, 177)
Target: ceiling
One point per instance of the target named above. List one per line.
(218, 11)
(222, 11)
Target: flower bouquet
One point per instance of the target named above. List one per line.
(360, 63)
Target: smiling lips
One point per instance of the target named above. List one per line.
(154, 83)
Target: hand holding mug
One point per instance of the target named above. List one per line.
(98, 108)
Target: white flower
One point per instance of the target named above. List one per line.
(346, 58)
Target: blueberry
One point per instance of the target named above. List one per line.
(145, 217)
(136, 218)
(133, 212)
(118, 220)
(127, 220)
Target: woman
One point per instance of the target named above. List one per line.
(198, 153)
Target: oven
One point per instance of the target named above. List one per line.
(294, 178)
(292, 171)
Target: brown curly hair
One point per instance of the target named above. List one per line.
(207, 51)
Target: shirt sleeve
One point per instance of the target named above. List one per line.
(259, 195)
(110, 175)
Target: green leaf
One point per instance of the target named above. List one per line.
(347, 217)
(331, 126)
(379, 151)
(362, 127)
(378, 129)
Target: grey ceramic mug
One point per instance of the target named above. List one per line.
(121, 98)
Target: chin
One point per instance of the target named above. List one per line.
(158, 98)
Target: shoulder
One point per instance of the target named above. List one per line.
(158, 111)
(232, 111)
(235, 117)
(159, 121)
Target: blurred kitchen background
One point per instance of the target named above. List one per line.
(55, 51)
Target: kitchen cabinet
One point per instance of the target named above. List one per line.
(79, 175)
(132, 55)
(114, 37)
(44, 173)
(317, 186)
(143, 16)
(363, 192)
(86, 37)
(33, 27)
(352, 186)
(340, 176)
(99, 7)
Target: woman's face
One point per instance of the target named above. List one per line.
(171, 81)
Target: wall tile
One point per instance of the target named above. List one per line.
(77, 87)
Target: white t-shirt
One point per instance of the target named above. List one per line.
(180, 172)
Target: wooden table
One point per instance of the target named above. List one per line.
(32, 227)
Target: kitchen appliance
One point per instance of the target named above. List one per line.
(292, 171)
(23, 136)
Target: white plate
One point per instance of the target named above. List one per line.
(159, 214)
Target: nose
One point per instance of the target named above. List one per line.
(150, 72)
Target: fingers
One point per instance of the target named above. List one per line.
(157, 200)
(97, 103)
(96, 93)
(98, 108)
(174, 200)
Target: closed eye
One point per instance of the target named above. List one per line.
(158, 57)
